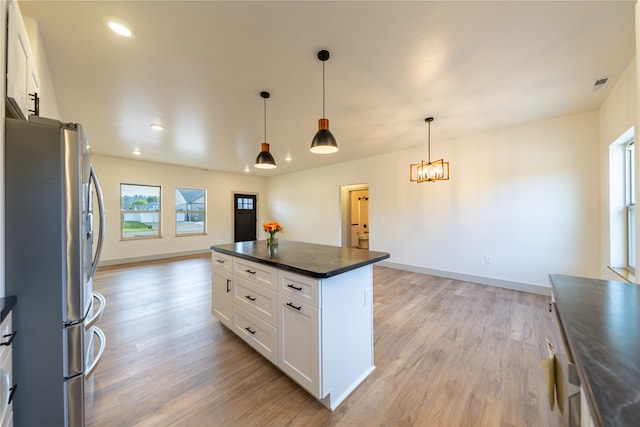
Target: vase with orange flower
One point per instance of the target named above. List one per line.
(272, 228)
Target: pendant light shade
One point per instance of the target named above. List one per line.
(429, 171)
(265, 160)
(323, 142)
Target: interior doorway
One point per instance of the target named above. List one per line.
(356, 229)
(245, 217)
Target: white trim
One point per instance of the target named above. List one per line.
(507, 284)
(152, 257)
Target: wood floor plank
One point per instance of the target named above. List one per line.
(447, 353)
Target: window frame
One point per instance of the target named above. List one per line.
(202, 212)
(630, 206)
(157, 212)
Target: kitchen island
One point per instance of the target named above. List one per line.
(601, 321)
(307, 308)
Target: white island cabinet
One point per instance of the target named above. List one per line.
(306, 308)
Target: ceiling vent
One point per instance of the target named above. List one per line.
(601, 82)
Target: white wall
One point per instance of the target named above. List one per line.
(220, 187)
(527, 197)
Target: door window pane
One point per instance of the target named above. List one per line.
(190, 211)
(245, 203)
(140, 211)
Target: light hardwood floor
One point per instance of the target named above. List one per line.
(447, 353)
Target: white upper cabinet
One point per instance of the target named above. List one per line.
(22, 76)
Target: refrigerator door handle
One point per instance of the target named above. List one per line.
(94, 177)
(103, 343)
(101, 299)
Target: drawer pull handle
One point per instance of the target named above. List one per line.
(249, 297)
(293, 306)
(249, 271)
(250, 331)
(221, 261)
(13, 391)
(294, 287)
(228, 285)
(13, 335)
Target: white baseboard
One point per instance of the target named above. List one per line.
(110, 262)
(516, 286)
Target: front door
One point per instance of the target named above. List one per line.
(244, 217)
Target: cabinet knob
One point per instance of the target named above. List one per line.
(293, 306)
(36, 103)
(12, 336)
(13, 391)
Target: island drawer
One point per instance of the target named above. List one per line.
(256, 299)
(257, 333)
(257, 273)
(301, 288)
(222, 261)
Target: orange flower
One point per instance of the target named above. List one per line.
(272, 227)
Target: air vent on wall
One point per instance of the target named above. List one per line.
(601, 82)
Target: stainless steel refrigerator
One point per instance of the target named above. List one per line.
(50, 192)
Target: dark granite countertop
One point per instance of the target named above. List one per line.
(601, 320)
(309, 259)
(6, 305)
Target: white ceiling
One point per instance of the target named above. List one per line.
(198, 68)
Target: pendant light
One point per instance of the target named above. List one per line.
(265, 160)
(429, 171)
(323, 142)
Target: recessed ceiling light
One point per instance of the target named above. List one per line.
(136, 152)
(119, 27)
(157, 126)
(246, 169)
(288, 158)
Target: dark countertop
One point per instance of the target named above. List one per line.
(6, 305)
(601, 320)
(308, 259)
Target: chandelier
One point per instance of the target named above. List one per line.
(429, 171)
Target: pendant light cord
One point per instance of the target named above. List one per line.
(323, 115)
(429, 140)
(265, 119)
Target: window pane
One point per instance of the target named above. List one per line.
(190, 211)
(140, 211)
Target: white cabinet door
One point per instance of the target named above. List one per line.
(33, 87)
(222, 296)
(258, 334)
(299, 343)
(20, 70)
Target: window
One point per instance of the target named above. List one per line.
(139, 211)
(245, 203)
(630, 205)
(190, 211)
